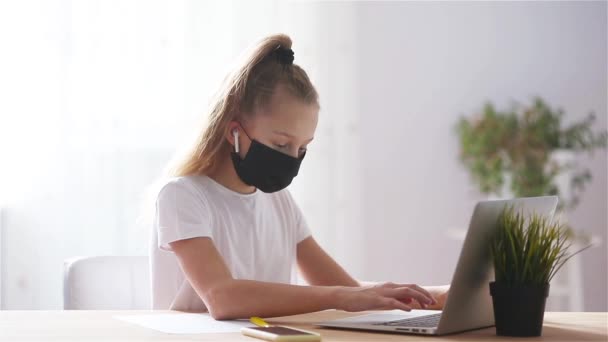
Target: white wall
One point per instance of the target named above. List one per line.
(96, 95)
(423, 65)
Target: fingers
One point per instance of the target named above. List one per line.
(426, 293)
(403, 293)
(414, 287)
(392, 303)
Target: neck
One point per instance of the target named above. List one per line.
(225, 174)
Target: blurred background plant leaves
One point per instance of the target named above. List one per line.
(515, 147)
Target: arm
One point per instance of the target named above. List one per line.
(318, 268)
(226, 297)
(229, 298)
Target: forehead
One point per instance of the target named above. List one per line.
(288, 114)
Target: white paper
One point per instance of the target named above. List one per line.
(184, 323)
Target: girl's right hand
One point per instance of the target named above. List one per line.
(386, 296)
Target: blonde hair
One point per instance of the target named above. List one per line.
(248, 87)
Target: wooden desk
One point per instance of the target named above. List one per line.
(100, 326)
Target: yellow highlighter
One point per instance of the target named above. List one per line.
(267, 332)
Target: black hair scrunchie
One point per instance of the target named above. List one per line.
(284, 56)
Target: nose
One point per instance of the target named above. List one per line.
(294, 152)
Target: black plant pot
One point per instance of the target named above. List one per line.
(519, 311)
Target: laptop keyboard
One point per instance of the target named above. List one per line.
(428, 321)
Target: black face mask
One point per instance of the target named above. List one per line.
(266, 168)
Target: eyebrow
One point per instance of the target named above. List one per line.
(289, 135)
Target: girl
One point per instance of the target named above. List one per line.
(227, 232)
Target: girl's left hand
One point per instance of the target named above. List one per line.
(441, 295)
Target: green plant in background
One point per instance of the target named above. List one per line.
(519, 142)
(529, 250)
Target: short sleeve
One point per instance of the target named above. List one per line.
(181, 214)
(302, 231)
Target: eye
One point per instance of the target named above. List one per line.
(281, 146)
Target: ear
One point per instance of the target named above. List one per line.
(233, 127)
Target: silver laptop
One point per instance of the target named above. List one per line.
(469, 304)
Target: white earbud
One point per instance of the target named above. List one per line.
(235, 133)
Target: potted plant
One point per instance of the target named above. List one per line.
(527, 251)
(527, 149)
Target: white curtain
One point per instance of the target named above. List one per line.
(95, 96)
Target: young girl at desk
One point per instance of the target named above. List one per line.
(227, 232)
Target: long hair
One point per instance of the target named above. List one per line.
(248, 87)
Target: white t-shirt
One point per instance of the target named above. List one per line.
(256, 234)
